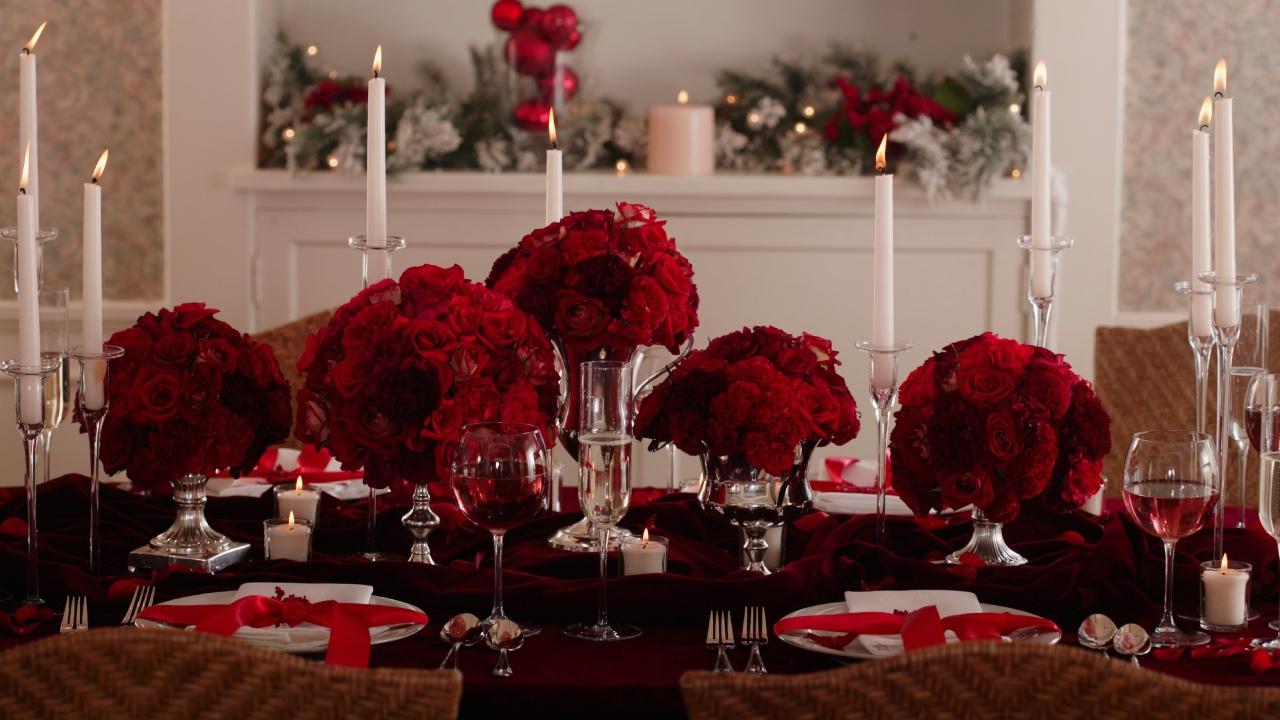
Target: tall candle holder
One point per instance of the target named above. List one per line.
(375, 257)
(94, 402)
(43, 236)
(1201, 348)
(420, 521)
(29, 380)
(1226, 331)
(1042, 305)
(883, 387)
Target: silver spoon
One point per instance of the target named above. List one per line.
(1096, 632)
(461, 630)
(1132, 640)
(504, 635)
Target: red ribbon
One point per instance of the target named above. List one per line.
(919, 629)
(311, 468)
(348, 623)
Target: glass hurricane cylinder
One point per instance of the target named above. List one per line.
(190, 541)
(1042, 303)
(28, 387)
(94, 405)
(44, 235)
(882, 371)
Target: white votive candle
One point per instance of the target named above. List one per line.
(644, 555)
(682, 138)
(299, 500)
(1224, 594)
(287, 539)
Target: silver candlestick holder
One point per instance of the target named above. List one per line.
(882, 373)
(30, 413)
(93, 399)
(420, 521)
(1200, 337)
(43, 235)
(1041, 291)
(1228, 291)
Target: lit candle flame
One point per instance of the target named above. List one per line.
(1220, 78)
(101, 167)
(291, 517)
(551, 127)
(377, 61)
(1040, 78)
(26, 166)
(644, 537)
(298, 486)
(1225, 565)
(31, 44)
(682, 97)
(1206, 112)
(880, 161)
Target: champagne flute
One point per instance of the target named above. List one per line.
(1248, 362)
(1170, 490)
(1267, 395)
(604, 471)
(499, 479)
(53, 348)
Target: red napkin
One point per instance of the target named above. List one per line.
(311, 468)
(348, 623)
(835, 481)
(920, 628)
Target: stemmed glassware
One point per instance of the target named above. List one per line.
(604, 467)
(500, 476)
(29, 411)
(1170, 489)
(1267, 442)
(1249, 362)
(94, 402)
(53, 349)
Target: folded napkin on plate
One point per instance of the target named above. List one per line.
(948, 602)
(258, 486)
(857, 503)
(315, 467)
(314, 593)
(851, 473)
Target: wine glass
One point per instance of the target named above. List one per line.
(1249, 360)
(604, 473)
(1266, 394)
(1170, 488)
(499, 479)
(53, 348)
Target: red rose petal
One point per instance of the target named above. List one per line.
(1260, 661)
(1168, 654)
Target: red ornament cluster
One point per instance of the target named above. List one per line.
(396, 373)
(190, 395)
(603, 280)
(536, 36)
(870, 115)
(756, 393)
(994, 422)
(328, 93)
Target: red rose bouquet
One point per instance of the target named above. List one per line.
(399, 369)
(191, 395)
(993, 422)
(756, 394)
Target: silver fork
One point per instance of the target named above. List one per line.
(75, 614)
(755, 632)
(720, 636)
(144, 596)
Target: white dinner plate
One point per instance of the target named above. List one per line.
(855, 650)
(377, 636)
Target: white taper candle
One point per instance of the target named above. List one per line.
(91, 287)
(1227, 308)
(555, 174)
(882, 283)
(1201, 238)
(1041, 170)
(376, 166)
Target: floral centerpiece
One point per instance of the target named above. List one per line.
(397, 372)
(994, 423)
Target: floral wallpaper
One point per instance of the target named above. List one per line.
(99, 86)
(1172, 49)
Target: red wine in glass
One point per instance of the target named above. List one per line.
(1253, 427)
(1170, 509)
(501, 494)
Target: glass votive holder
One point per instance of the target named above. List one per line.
(644, 555)
(1224, 595)
(301, 500)
(288, 539)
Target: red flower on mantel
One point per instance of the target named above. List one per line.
(328, 93)
(994, 422)
(870, 113)
(401, 367)
(191, 395)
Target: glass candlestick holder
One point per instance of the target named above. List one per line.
(1228, 291)
(93, 400)
(1200, 337)
(375, 260)
(1042, 281)
(29, 411)
(43, 236)
(882, 372)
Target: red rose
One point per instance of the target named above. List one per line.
(1034, 467)
(965, 487)
(1002, 437)
(545, 264)
(443, 424)
(201, 390)
(427, 287)
(430, 338)
(645, 306)
(175, 349)
(984, 387)
(373, 427)
(369, 325)
(468, 359)
(463, 317)
(258, 363)
(502, 328)
(221, 354)
(797, 361)
(580, 317)
(188, 315)
(155, 396)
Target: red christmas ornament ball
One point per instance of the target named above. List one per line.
(506, 14)
(568, 83)
(529, 52)
(575, 37)
(533, 114)
(558, 23)
(532, 18)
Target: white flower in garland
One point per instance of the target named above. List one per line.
(494, 154)
(729, 145)
(931, 159)
(424, 134)
(770, 112)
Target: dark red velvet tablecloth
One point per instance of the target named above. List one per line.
(1079, 565)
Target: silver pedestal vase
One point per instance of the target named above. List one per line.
(190, 541)
(987, 543)
(420, 521)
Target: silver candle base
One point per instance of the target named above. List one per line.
(208, 562)
(189, 541)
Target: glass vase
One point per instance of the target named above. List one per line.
(189, 541)
(987, 543)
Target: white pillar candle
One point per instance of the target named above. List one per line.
(555, 174)
(32, 409)
(287, 540)
(1224, 588)
(1201, 243)
(1041, 172)
(91, 288)
(27, 119)
(376, 166)
(644, 555)
(299, 501)
(682, 138)
(1227, 310)
(882, 282)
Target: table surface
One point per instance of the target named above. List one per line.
(1079, 564)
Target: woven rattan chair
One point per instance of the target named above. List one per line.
(133, 673)
(973, 680)
(289, 341)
